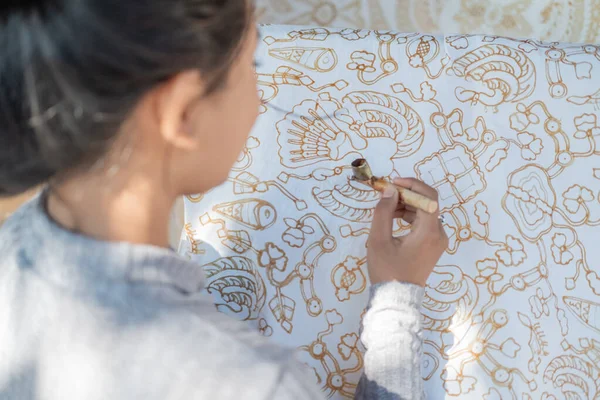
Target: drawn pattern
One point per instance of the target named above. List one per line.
(512, 311)
(573, 21)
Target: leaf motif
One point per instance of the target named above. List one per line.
(524, 320)
(496, 159)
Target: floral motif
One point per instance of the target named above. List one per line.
(594, 282)
(512, 254)
(294, 234)
(348, 345)
(272, 257)
(481, 212)
(333, 317)
(587, 126)
(362, 61)
(487, 267)
(480, 129)
(576, 196)
(510, 348)
(458, 42)
(520, 120)
(264, 328)
(416, 61)
(539, 305)
(427, 91)
(354, 34)
(531, 147)
(348, 279)
(560, 250)
(455, 383)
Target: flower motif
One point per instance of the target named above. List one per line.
(487, 267)
(333, 317)
(272, 257)
(587, 126)
(594, 282)
(531, 146)
(348, 279)
(512, 254)
(576, 196)
(416, 61)
(455, 383)
(539, 305)
(348, 345)
(294, 234)
(510, 348)
(427, 91)
(458, 42)
(560, 251)
(264, 328)
(342, 294)
(480, 130)
(354, 34)
(481, 212)
(520, 120)
(362, 61)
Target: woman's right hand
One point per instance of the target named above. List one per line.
(409, 258)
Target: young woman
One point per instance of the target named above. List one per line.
(115, 105)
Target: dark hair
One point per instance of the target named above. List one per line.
(72, 70)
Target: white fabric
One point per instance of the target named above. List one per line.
(507, 131)
(568, 20)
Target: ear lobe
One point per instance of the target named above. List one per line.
(177, 98)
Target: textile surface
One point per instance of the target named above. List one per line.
(565, 20)
(507, 130)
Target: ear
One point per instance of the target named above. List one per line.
(174, 103)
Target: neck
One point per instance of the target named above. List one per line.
(116, 209)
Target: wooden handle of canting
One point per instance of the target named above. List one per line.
(408, 197)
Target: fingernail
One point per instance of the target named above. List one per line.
(388, 192)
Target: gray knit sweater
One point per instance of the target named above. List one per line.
(85, 319)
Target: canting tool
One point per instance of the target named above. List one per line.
(363, 174)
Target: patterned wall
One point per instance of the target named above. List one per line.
(507, 130)
(564, 20)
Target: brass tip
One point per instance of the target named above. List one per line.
(361, 170)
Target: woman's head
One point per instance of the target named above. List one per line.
(170, 83)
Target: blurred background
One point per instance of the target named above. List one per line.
(556, 20)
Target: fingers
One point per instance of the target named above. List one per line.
(417, 186)
(424, 221)
(408, 216)
(383, 218)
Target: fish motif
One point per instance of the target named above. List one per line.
(255, 214)
(587, 312)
